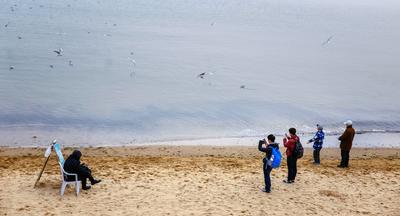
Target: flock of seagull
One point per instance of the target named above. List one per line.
(60, 52)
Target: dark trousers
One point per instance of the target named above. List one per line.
(345, 158)
(84, 180)
(267, 176)
(292, 167)
(316, 156)
(84, 174)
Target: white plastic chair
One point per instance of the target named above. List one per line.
(64, 178)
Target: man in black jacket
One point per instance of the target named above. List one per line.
(73, 165)
(267, 168)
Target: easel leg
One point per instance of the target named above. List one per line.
(41, 172)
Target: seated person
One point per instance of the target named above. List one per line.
(73, 165)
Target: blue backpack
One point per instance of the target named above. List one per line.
(276, 158)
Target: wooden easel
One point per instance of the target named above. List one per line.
(45, 163)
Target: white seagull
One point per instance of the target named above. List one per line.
(327, 41)
(133, 61)
(133, 73)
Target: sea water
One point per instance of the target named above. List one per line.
(129, 71)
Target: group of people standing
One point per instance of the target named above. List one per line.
(269, 146)
(291, 142)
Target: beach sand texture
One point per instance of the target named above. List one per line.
(201, 181)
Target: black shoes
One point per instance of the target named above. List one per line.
(92, 183)
(340, 166)
(86, 188)
(95, 182)
(265, 191)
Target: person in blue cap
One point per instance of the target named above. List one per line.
(318, 140)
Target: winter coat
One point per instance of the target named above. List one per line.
(346, 140)
(290, 144)
(318, 139)
(267, 149)
(73, 165)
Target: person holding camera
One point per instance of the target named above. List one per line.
(290, 143)
(267, 162)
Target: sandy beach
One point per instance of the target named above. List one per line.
(201, 181)
(167, 101)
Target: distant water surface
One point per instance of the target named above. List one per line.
(269, 65)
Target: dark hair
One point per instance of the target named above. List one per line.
(271, 137)
(292, 131)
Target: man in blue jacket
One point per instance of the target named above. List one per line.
(318, 140)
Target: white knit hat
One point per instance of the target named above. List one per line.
(348, 123)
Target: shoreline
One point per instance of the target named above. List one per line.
(368, 140)
(195, 151)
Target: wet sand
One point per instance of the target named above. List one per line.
(161, 180)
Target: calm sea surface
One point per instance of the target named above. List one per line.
(128, 70)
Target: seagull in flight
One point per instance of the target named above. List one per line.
(327, 41)
(246, 88)
(133, 73)
(59, 51)
(133, 61)
(204, 74)
(201, 75)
